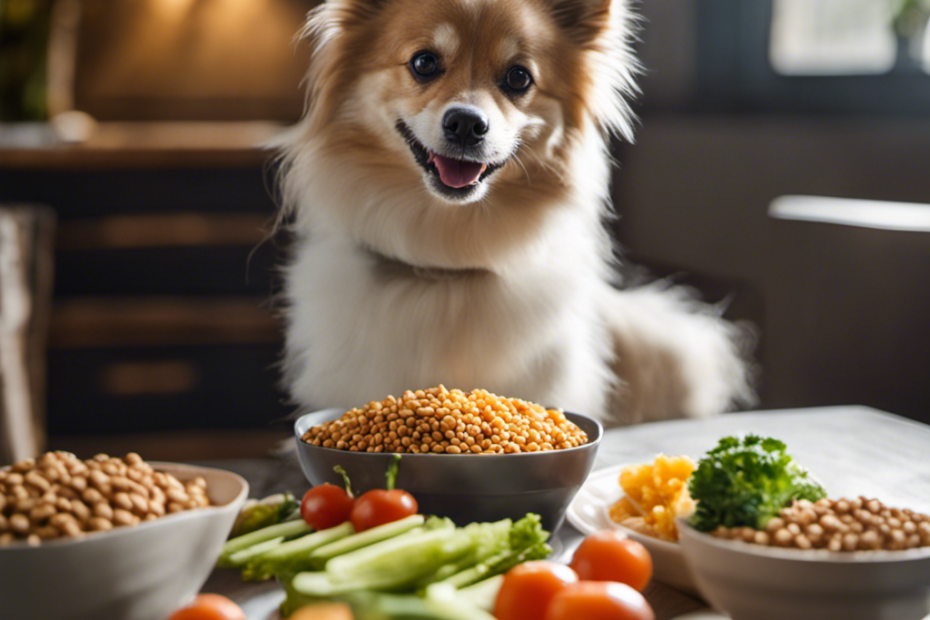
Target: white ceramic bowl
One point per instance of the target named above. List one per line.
(142, 572)
(754, 582)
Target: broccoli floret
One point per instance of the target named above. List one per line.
(747, 482)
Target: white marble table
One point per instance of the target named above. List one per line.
(852, 450)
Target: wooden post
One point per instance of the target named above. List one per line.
(26, 245)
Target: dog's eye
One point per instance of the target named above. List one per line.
(517, 80)
(424, 65)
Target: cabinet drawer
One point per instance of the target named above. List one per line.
(134, 389)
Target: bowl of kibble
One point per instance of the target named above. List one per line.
(107, 537)
(868, 577)
(766, 542)
(469, 456)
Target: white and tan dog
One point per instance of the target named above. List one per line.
(447, 187)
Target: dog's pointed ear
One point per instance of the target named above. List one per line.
(582, 20)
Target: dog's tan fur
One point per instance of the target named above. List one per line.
(518, 318)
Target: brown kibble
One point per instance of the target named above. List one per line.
(783, 538)
(814, 533)
(870, 540)
(80, 510)
(59, 495)
(41, 513)
(19, 523)
(99, 524)
(121, 500)
(47, 532)
(831, 523)
(36, 479)
(846, 525)
(477, 422)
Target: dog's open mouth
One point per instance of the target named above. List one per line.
(454, 177)
(456, 173)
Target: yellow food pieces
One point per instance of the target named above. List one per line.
(656, 493)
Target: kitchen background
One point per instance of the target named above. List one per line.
(776, 137)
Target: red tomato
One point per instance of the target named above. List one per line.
(379, 507)
(599, 600)
(326, 506)
(209, 607)
(611, 556)
(527, 589)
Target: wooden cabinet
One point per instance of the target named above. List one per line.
(162, 317)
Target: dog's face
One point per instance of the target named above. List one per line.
(458, 90)
(420, 109)
(465, 92)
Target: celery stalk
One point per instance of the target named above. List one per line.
(287, 530)
(241, 558)
(294, 555)
(368, 537)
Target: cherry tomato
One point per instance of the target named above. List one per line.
(611, 556)
(599, 600)
(326, 506)
(528, 588)
(379, 507)
(209, 607)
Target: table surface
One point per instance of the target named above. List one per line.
(853, 450)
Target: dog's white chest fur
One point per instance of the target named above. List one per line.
(360, 328)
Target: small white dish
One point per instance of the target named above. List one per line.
(141, 572)
(589, 513)
(755, 582)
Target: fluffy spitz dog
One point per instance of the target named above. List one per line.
(447, 188)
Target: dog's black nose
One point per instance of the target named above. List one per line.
(465, 126)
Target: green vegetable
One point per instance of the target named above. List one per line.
(524, 541)
(368, 605)
(747, 482)
(437, 552)
(259, 514)
(294, 555)
(368, 537)
(286, 530)
(241, 558)
(482, 594)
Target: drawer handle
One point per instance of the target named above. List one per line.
(141, 378)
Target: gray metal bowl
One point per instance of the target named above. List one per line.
(464, 487)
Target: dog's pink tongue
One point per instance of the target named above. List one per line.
(457, 173)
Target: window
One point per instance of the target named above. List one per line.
(814, 56)
(832, 37)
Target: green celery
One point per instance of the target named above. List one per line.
(362, 539)
(294, 555)
(482, 594)
(422, 553)
(289, 529)
(241, 558)
(523, 542)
